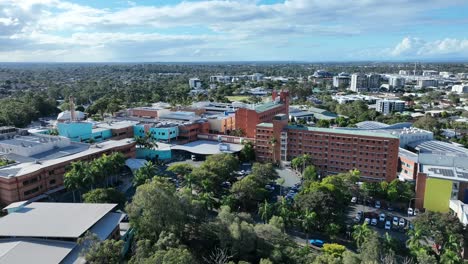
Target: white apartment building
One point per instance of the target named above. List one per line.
(195, 83)
(340, 81)
(396, 82)
(388, 106)
(460, 88)
(428, 73)
(359, 83)
(428, 83)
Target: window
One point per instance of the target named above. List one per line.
(52, 182)
(28, 192)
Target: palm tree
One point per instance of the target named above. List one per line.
(147, 141)
(414, 240)
(73, 179)
(452, 244)
(308, 222)
(450, 257)
(272, 143)
(147, 172)
(264, 211)
(361, 233)
(306, 160)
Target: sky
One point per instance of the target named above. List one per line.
(234, 30)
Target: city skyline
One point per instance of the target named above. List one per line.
(267, 30)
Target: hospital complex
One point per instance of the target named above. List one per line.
(34, 161)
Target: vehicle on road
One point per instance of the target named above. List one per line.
(316, 242)
(410, 211)
(388, 225)
(395, 221)
(377, 204)
(354, 200)
(367, 220)
(373, 221)
(382, 217)
(402, 222)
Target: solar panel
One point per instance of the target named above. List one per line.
(462, 175)
(444, 172)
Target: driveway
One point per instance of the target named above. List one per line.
(290, 177)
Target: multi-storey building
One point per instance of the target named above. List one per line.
(460, 88)
(396, 81)
(332, 150)
(195, 83)
(38, 162)
(389, 106)
(341, 81)
(428, 83)
(247, 118)
(359, 83)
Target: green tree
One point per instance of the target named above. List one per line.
(107, 251)
(109, 195)
(73, 179)
(310, 173)
(335, 250)
(156, 208)
(361, 233)
(145, 173)
(247, 153)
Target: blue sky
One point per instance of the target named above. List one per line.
(234, 30)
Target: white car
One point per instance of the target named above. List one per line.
(354, 199)
(402, 222)
(373, 221)
(410, 211)
(382, 217)
(377, 204)
(416, 211)
(395, 221)
(367, 220)
(388, 225)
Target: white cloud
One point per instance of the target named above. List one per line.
(416, 47)
(65, 30)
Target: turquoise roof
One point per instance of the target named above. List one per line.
(266, 106)
(342, 131)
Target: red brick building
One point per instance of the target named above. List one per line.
(29, 179)
(248, 118)
(333, 151)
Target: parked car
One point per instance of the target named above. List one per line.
(358, 216)
(402, 222)
(395, 221)
(377, 204)
(367, 220)
(316, 242)
(388, 225)
(390, 207)
(354, 200)
(382, 217)
(373, 221)
(416, 211)
(269, 188)
(410, 211)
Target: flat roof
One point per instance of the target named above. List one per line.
(408, 154)
(56, 157)
(265, 125)
(445, 172)
(206, 147)
(435, 146)
(38, 251)
(53, 220)
(342, 131)
(104, 227)
(266, 106)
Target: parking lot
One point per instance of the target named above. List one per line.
(397, 231)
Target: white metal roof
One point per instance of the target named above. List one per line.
(37, 251)
(205, 147)
(54, 220)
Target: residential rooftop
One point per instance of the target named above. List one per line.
(435, 146)
(53, 220)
